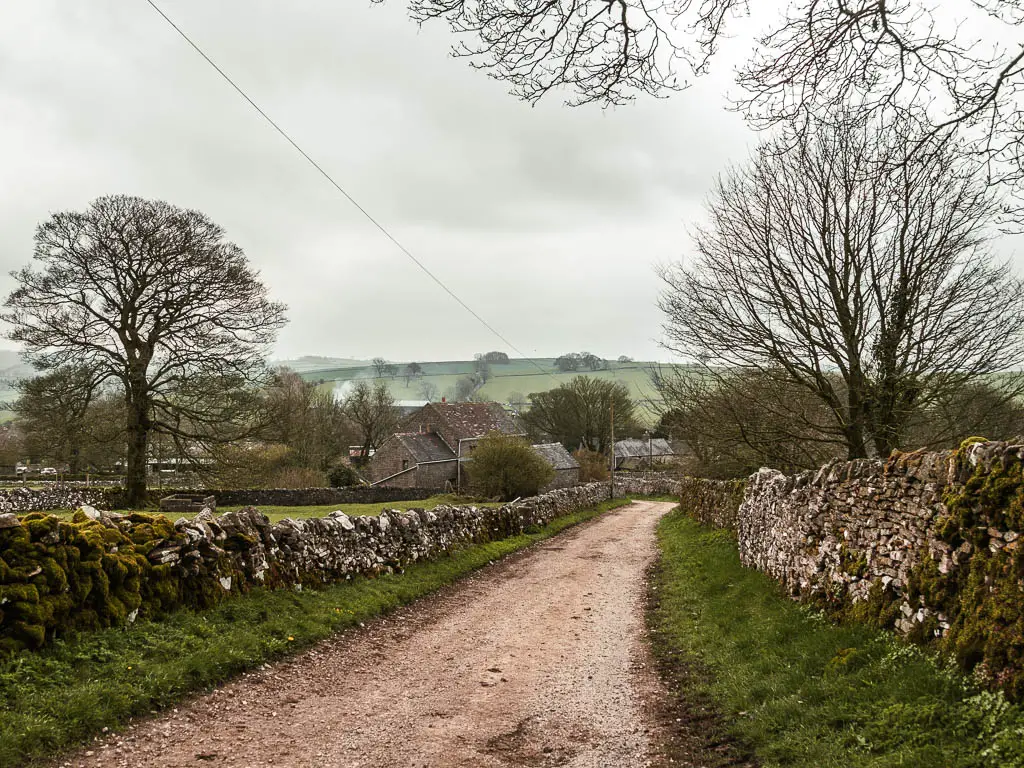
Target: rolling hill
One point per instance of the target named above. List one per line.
(518, 377)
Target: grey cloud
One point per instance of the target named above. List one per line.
(547, 220)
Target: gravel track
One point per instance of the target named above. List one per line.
(538, 660)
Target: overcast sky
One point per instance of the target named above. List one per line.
(549, 221)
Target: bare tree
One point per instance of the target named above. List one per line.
(876, 293)
(979, 409)
(428, 390)
(481, 368)
(465, 388)
(308, 419)
(53, 413)
(950, 65)
(412, 370)
(152, 297)
(373, 410)
(735, 421)
(383, 368)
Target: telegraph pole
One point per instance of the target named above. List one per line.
(611, 471)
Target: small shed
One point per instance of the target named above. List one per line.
(415, 460)
(567, 469)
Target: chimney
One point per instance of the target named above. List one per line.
(444, 399)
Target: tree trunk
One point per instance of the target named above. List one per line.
(854, 433)
(138, 436)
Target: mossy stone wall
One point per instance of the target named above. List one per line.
(103, 569)
(925, 543)
(712, 502)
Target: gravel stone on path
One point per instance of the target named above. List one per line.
(538, 660)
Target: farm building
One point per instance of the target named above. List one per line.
(567, 469)
(426, 450)
(633, 453)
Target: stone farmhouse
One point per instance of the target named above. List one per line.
(433, 443)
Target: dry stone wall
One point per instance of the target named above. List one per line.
(926, 543)
(24, 500)
(846, 525)
(106, 569)
(712, 502)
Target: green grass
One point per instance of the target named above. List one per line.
(799, 691)
(53, 699)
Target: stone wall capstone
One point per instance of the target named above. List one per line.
(24, 500)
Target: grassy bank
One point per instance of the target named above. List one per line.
(53, 699)
(798, 691)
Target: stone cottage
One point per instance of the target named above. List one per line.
(431, 442)
(567, 469)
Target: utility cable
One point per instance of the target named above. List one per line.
(339, 188)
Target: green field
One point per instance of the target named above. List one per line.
(518, 376)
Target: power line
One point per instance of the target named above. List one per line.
(336, 185)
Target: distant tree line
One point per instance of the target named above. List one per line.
(577, 361)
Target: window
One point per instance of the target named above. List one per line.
(405, 464)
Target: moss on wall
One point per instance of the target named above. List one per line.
(58, 575)
(981, 593)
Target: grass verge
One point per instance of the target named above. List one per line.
(796, 690)
(51, 700)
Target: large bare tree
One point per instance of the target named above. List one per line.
(153, 298)
(864, 279)
(956, 64)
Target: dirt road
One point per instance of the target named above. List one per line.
(535, 661)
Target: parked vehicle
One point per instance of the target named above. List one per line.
(48, 471)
